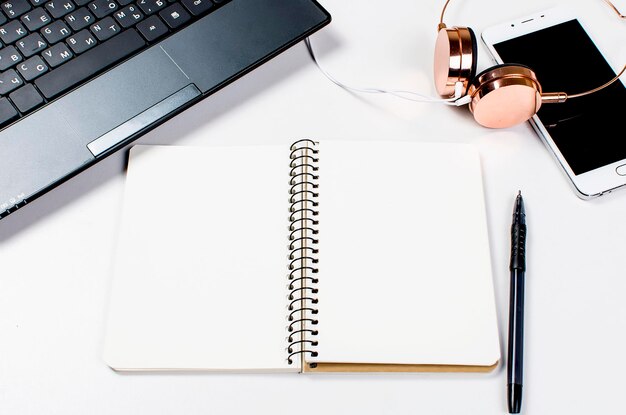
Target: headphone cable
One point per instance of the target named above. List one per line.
(408, 95)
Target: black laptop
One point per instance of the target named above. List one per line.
(80, 79)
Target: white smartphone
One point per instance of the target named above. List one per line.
(585, 134)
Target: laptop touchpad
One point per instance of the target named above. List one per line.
(121, 94)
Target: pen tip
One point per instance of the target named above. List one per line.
(519, 206)
(514, 392)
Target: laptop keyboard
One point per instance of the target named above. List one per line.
(51, 46)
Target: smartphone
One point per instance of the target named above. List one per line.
(585, 134)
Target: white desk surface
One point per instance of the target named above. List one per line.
(56, 254)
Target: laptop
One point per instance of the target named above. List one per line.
(80, 79)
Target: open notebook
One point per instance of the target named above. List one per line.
(322, 256)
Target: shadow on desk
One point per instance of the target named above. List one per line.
(271, 73)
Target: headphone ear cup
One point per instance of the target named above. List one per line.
(456, 56)
(504, 96)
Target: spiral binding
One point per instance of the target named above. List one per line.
(303, 230)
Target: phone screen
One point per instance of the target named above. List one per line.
(589, 131)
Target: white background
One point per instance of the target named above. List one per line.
(56, 254)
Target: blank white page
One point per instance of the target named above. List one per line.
(404, 264)
(200, 274)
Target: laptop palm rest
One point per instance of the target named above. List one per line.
(238, 37)
(52, 143)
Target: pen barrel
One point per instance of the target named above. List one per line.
(518, 247)
(515, 369)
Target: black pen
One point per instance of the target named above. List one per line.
(516, 307)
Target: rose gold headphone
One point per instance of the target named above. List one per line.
(498, 97)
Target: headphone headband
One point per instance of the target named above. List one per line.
(455, 61)
(441, 24)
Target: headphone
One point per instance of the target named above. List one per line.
(499, 97)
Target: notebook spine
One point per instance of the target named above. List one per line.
(303, 229)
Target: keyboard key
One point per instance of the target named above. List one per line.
(12, 31)
(9, 56)
(152, 28)
(101, 8)
(31, 44)
(32, 68)
(175, 15)
(7, 112)
(151, 6)
(26, 98)
(56, 32)
(124, 2)
(81, 41)
(15, 8)
(128, 16)
(105, 28)
(9, 80)
(80, 19)
(197, 7)
(91, 62)
(36, 3)
(59, 8)
(36, 19)
(81, 2)
(57, 55)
